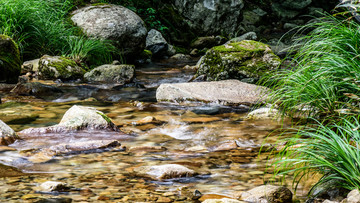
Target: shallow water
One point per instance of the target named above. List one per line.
(185, 136)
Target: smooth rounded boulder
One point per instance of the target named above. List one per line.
(111, 22)
(10, 63)
(7, 135)
(246, 61)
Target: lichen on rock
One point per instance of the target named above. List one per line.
(10, 62)
(246, 61)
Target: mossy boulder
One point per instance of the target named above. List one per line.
(109, 73)
(10, 63)
(246, 61)
(58, 67)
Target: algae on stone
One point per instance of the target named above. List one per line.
(247, 61)
(10, 62)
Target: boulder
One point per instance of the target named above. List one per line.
(226, 92)
(207, 42)
(166, 171)
(74, 119)
(7, 135)
(156, 43)
(263, 114)
(112, 22)
(10, 63)
(247, 61)
(268, 194)
(211, 17)
(58, 67)
(111, 74)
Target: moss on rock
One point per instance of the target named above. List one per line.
(10, 62)
(247, 61)
(58, 67)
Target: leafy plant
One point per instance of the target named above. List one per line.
(326, 71)
(333, 151)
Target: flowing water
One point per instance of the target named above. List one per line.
(188, 134)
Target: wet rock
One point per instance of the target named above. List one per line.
(52, 186)
(208, 110)
(7, 135)
(47, 154)
(9, 171)
(30, 66)
(207, 42)
(112, 22)
(6, 148)
(211, 17)
(55, 200)
(74, 119)
(352, 197)
(111, 74)
(166, 171)
(58, 67)
(180, 57)
(269, 194)
(226, 146)
(35, 89)
(138, 149)
(156, 43)
(263, 114)
(148, 120)
(223, 200)
(246, 36)
(10, 62)
(212, 197)
(201, 119)
(225, 92)
(246, 61)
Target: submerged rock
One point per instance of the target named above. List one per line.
(35, 89)
(58, 67)
(227, 92)
(7, 135)
(74, 119)
(268, 194)
(223, 200)
(263, 114)
(52, 186)
(9, 171)
(112, 22)
(166, 171)
(247, 61)
(111, 74)
(10, 63)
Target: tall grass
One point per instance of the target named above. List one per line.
(325, 75)
(332, 151)
(42, 27)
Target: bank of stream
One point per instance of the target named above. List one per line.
(213, 140)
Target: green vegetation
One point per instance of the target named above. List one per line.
(41, 27)
(322, 83)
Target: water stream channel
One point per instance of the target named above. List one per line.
(196, 135)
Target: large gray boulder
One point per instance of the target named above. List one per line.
(10, 63)
(112, 22)
(156, 43)
(7, 135)
(246, 60)
(211, 16)
(111, 74)
(75, 119)
(225, 92)
(59, 67)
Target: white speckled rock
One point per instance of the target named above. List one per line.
(112, 22)
(226, 92)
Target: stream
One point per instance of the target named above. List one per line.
(196, 135)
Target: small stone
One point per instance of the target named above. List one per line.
(51, 186)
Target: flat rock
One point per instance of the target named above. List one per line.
(166, 171)
(225, 92)
(268, 194)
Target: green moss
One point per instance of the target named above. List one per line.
(61, 65)
(181, 50)
(146, 54)
(10, 62)
(243, 46)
